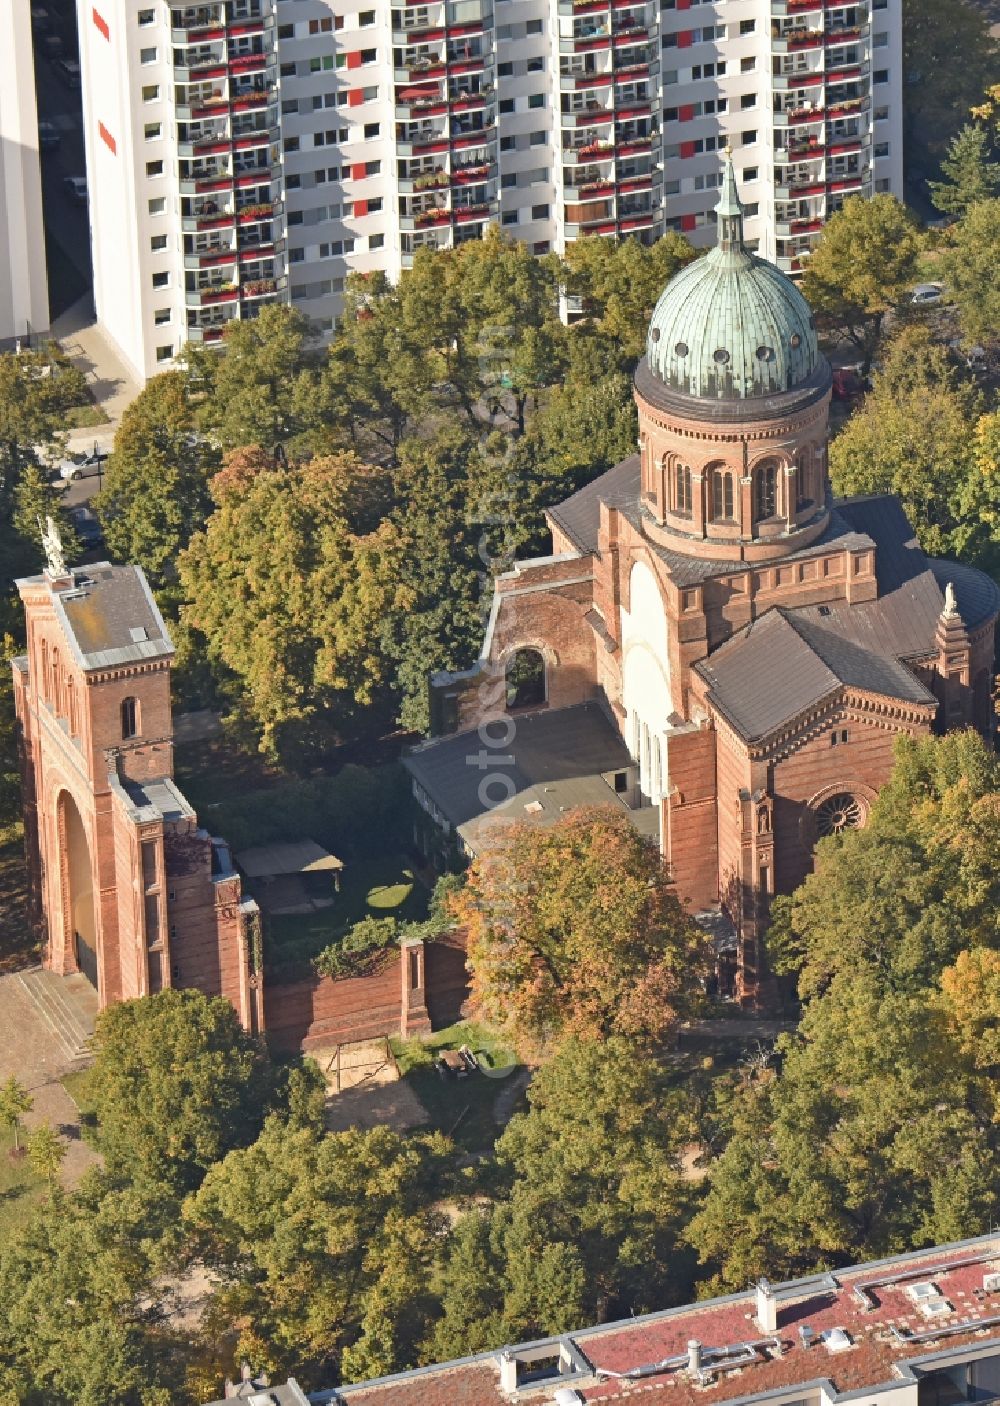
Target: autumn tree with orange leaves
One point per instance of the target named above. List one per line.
(575, 930)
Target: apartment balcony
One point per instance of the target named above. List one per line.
(471, 175)
(472, 214)
(846, 107)
(590, 190)
(789, 228)
(262, 210)
(596, 41)
(197, 184)
(578, 8)
(631, 224)
(208, 334)
(632, 143)
(635, 183)
(194, 20)
(258, 288)
(848, 34)
(847, 183)
(799, 190)
(213, 259)
(210, 295)
(799, 116)
(844, 146)
(424, 219)
(205, 146)
(803, 80)
(250, 101)
(587, 152)
(781, 9)
(790, 263)
(797, 41)
(412, 110)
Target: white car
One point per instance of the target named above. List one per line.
(926, 293)
(82, 466)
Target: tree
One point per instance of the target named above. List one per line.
(15, 1102)
(970, 1003)
(10, 772)
(969, 268)
(176, 1084)
(251, 391)
(865, 261)
(155, 492)
(916, 435)
(619, 282)
(288, 621)
(589, 1228)
(36, 389)
(46, 1153)
(36, 500)
(949, 57)
(900, 898)
(324, 1246)
(971, 174)
(552, 956)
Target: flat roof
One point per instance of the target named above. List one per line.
(887, 1338)
(296, 857)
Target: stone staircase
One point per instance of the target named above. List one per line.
(66, 1005)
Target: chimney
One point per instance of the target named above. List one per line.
(694, 1356)
(508, 1372)
(767, 1307)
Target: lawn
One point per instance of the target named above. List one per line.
(18, 945)
(461, 1108)
(383, 886)
(86, 416)
(20, 1189)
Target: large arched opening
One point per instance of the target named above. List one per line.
(524, 672)
(77, 884)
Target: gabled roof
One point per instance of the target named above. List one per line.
(811, 663)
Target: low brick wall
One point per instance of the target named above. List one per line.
(325, 1010)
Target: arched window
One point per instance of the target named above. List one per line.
(765, 490)
(55, 696)
(130, 717)
(71, 707)
(46, 673)
(525, 676)
(682, 489)
(722, 495)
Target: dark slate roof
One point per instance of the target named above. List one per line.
(557, 758)
(110, 617)
(812, 664)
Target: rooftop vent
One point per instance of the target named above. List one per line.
(922, 1291)
(138, 633)
(807, 1335)
(991, 1283)
(836, 1340)
(936, 1308)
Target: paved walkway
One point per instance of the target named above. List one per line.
(45, 1023)
(108, 379)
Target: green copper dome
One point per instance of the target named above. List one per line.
(731, 326)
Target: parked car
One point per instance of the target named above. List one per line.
(86, 526)
(76, 188)
(68, 70)
(78, 466)
(48, 136)
(926, 293)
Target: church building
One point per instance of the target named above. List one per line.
(715, 644)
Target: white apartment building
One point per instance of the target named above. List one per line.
(241, 151)
(24, 294)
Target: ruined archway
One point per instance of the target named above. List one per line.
(76, 873)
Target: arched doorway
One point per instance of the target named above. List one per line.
(77, 875)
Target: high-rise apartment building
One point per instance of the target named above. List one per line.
(242, 151)
(24, 295)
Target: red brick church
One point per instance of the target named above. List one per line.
(715, 644)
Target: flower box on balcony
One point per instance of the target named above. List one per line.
(259, 287)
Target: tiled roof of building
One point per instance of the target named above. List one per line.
(110, 617)
(886, 1341)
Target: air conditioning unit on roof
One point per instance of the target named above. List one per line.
(991, 1283)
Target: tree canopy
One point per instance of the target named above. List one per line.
(969, 266)
(574, 928)
(949, 59)
(971, 172)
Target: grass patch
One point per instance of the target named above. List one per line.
(462, 1108)
(20, 1189)
(86, 417)
(381, 887)
(19, 946)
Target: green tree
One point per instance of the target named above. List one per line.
(15, 1102)
(250, 393)
(865, 261)
(10, 772)
(46, 1153)
(155, 492)
(551, 956)
(176, 1084)
(36, 389)
(969, 267)
(35, 500)
(916, 435)
(289, 623)
(324, 1248)
(971, 174)
(949, 58)
(590, 1225)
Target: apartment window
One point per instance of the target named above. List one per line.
(508, 180)
(541, 247)
(505, 70)
(291, 144)
(539, 212)
(747, 26)
(881, 114)
(751, 209)
(158, 206)
(506, 104)
(538, 138)
(748, 138)
(881, 149)
(348, 246)
(882, 186)
(293, 182)
(287, 70)
(321, 62)
(295, 217)
(152, 131)
(750, 173)
(146, 17)
(881, 40)
(372, 130)
(296, 256)
(369, 95)
(748, 65)
(147, 55)
(670, 76)
(324, 26)
(165, 353)
(338, 21)
(286, 31)
(372, 168)
(161, 280)
(161, 316)
(748, 100)
(151, 93)
(158, 243)
(376, 241)
(366, 19)
(881, 75)
(536, 65)
(154, 168)
(533, 27)
(375, 205)
(368, 55)
(510, 217)
(508, 143)
(670, 114)
(536, 100)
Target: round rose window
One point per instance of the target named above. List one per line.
(839, 813)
